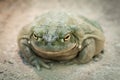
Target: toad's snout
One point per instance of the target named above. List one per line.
(49, 39)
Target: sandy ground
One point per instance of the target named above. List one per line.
(14, 14)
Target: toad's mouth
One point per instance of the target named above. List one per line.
(72, 50)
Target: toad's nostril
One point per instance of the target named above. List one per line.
(50, 44)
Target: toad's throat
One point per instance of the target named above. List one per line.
(66, 54)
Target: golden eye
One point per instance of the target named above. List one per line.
(67, 37)
(35, 37)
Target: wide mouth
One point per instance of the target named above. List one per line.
(43, 51)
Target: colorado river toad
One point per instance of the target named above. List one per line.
(60, 36)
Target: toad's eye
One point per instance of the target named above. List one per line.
(35, 37)
(67, 37)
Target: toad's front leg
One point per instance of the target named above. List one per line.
(87, 52)
(30, 56)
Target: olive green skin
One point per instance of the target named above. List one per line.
(86, 39)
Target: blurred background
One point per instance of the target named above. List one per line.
(14, 14)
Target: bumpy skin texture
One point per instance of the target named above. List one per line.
(60, 36)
